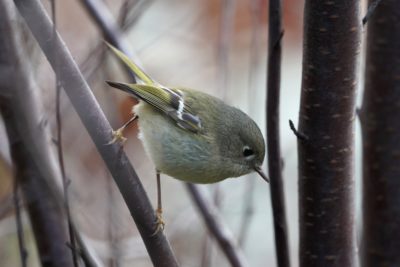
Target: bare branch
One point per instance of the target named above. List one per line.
(109, 27)
(216, 226)
(371, 9)
(100, 131)
(327, 114)
(59, 144)
(275, 34)
(298, 134)
(380, 125)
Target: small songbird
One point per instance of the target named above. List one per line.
(190, 135)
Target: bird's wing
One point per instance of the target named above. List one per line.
(170, 102)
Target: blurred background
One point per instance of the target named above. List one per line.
(219, 47)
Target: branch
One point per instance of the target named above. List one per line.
(380, 125)
(216, 226)
(65, 183)
(275, 33)
(327, 113)
(371, 9)
(299, 135)
(109, 27)
(100, 131)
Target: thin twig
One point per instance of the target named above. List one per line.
(371, 9)
(216, 226)
(136, 9)
(20, 229)
(298, 134)
(111, 30)
(275, 34)
(124, 10)
(83, 250)
(100, 131)
(133, 10)
(59, 143)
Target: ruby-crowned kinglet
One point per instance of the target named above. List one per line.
(190, 135)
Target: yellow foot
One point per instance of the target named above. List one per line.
(159, 222)
(117, 136)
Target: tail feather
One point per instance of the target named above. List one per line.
(135, 68)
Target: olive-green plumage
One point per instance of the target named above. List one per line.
(193, 136)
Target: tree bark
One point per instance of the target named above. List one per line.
(381, 131)
(327, 114)
(275, 34)
(46, 216)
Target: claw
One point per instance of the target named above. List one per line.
(160, 224)
(117, 136)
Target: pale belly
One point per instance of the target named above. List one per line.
(176, 152)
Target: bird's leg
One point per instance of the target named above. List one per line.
(117, 135)
(159, 222)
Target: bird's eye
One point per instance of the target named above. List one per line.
(248, 152)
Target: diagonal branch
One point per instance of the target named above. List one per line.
(110, 29)
(100, 131)
(216, 227)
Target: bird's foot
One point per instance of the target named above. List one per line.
(160, 224)
(117, 136)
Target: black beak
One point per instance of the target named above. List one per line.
(261, 173)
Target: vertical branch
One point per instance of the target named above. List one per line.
(327, 114)
(60, 147)
(381, 130)
(275, 34)
(100, 131)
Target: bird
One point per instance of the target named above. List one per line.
(188, 134)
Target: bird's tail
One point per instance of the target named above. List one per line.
(146, 79)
